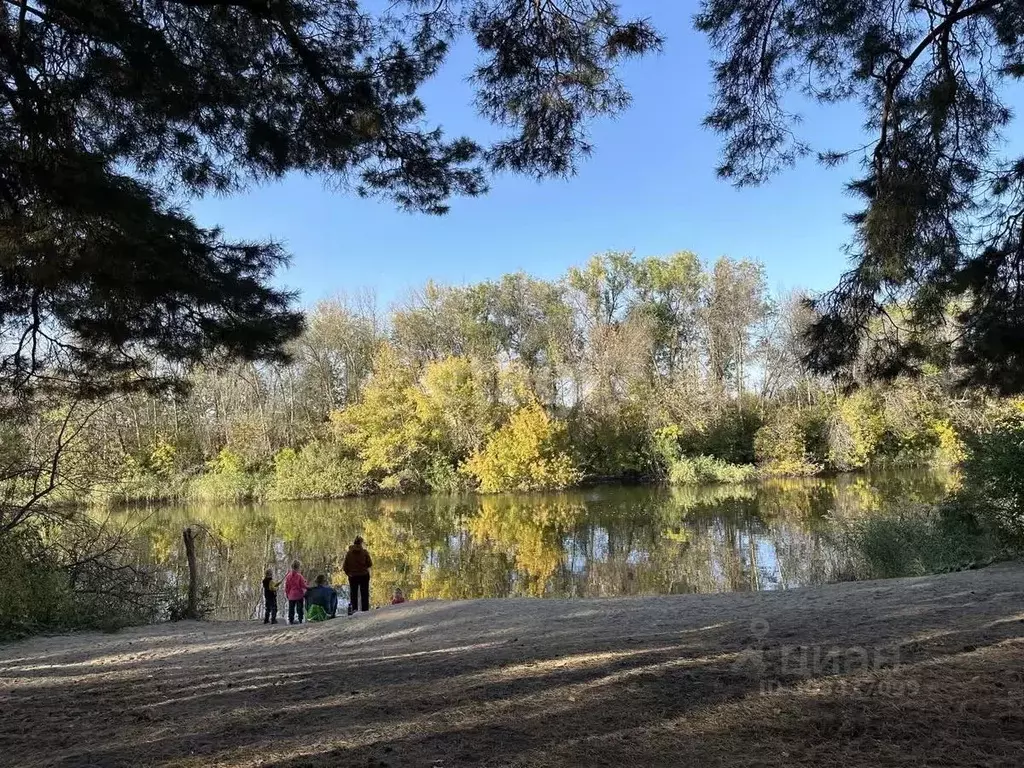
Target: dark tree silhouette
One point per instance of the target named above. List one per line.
(115, 112)
(941, 236)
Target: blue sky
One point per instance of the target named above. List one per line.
(650, 186)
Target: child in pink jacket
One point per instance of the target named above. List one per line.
(295, 587)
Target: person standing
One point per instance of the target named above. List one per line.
(295, 587)
(357, 567)
(269, 598)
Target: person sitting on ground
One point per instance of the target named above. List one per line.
(357, 567)
(321, 600)
(295, 586)
(269, 598)
(398, 597)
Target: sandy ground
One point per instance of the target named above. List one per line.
(910, 672)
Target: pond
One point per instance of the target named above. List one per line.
(604, 541)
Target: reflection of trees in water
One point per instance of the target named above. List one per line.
(598, 542)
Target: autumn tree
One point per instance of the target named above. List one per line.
(382, 428)
(335, 353)
(735, 304)
(526, 454)
(455, 407)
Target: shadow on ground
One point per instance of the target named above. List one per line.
(898, 673)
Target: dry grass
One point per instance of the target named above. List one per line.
(911, 672)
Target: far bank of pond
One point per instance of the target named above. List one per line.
(604, 541)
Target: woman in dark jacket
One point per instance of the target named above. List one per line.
(357, 567)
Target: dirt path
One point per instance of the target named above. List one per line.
(910, 672)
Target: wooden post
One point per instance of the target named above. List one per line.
(192, 608)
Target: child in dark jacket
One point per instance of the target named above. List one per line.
(269, 598)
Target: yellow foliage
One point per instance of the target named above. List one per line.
(951, 449)
(781, 449)
(857, 429)
(524, 455)
(382, 427)
(226, 462)
(162, 458)
(453, 407)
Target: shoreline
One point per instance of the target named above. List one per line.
(760, 478)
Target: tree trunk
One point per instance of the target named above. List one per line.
(192, 607)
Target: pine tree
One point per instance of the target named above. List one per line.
(941, 235)
(115, 112)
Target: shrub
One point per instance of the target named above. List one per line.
(728, 436)
(526, 454)
(177, 606)
(951, 449)
(856, 430)
(320, 470)
(138, 482)
(227, 480)
(665, 448)
(707, 469)
(403, 481)
(781, 448)
(615, 442)
(77, 576)
(443, 477)
(27, 576)
(993, 474)
(917, 542)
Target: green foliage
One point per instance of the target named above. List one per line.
(51, 582)
(993, 473)
(917, 542)
(727, 435)
(136, 484)
(35, 592)
(683, 470)
(319, 470)
(615, 443)
(441, 476)
(158, 477)
(226, 480)
(404, 480)
(939, 226)
(709, 469)
(781, 447)
(647, 360)
(856, 430)
(670, 298)
(525, 454)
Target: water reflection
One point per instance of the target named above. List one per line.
(597, 542)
